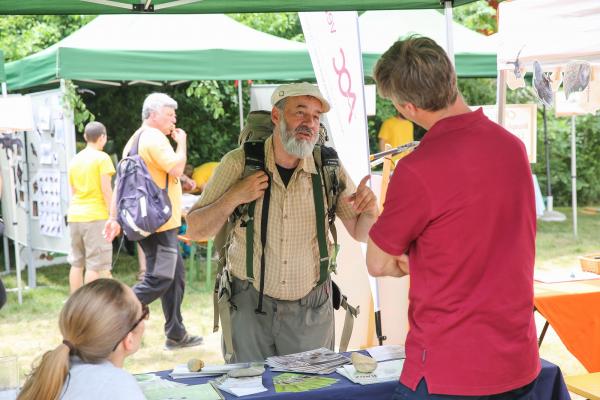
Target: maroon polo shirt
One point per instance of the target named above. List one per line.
(462, 205)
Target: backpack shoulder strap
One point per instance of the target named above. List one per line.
(254, 160)
(328, 166)
(134, 149)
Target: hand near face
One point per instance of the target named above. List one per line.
(363, 200)
(179, 135)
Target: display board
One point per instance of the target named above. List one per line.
(13, 163)
(34, 175)
(50, 148)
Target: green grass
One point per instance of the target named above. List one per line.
(556, 245)
(30, 329)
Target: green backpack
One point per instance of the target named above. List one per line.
(252, 137)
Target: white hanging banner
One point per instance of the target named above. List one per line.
(333, 43)
(334, 47)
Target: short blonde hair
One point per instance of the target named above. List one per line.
(417, 70)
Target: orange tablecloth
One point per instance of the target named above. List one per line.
(573, 310)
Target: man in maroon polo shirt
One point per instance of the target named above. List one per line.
(460, 211)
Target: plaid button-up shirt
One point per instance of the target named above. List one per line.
(292, 249)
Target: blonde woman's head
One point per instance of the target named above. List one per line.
(99, 319)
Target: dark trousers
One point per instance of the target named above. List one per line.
(165, 278)
(404, 393)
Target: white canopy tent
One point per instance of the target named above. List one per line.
(552, 32)
(380, 29)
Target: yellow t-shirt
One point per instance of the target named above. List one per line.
(159, 156)
(85, 170)
(396, 132)
(203, 173)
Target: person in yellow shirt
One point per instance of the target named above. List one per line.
(202, 174)
(90, 173)
(165, 272)
(396, 131)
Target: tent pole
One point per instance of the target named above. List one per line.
(12, 184)
(501, 95)
(241, 104)
(547, 148)
(5, 238)
(449, 35)
(573, 176)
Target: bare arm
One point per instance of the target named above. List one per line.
(206, 221)
(180, 138)
(106, 189)
(382, 145)
(364, 203)
(380, 263)
(112, 227)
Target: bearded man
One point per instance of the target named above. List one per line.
(297, 312)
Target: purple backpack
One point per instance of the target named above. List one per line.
(142, 206)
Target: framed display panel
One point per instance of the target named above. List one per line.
(50, 147)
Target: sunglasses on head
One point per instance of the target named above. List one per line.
(145, 316)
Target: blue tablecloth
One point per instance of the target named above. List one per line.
(550, 386)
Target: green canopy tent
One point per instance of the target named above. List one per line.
(130, 48)
(208, 6)
(186, 47)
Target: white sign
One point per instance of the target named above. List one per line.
(333, 43)
(521, 121)
(16, 113)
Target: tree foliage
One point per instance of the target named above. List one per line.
(285, 25)
(22, 35)
(212, 129)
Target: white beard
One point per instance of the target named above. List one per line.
(297, 147)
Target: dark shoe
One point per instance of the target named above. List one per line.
(186, 341)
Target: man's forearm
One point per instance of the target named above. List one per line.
(380, 263)
(112, 210)
(179, 167)
(206, 221)
(363, 225)
(107, 198)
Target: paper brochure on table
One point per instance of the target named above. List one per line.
(240, 386)
(563, 276)
(319, 361)
(385, 372)
(387, 352)
(155, 388)
(182, 371)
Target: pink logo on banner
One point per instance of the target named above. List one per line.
(344, 73)
(344, 77)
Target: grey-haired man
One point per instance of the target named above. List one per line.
(165, 273)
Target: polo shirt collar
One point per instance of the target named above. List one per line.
(455, 122)
(306, 164)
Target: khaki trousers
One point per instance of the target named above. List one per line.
(286, 327)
